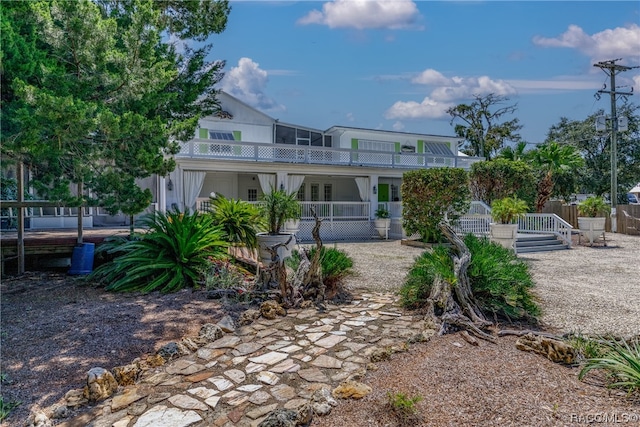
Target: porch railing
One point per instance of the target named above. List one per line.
(285, 153)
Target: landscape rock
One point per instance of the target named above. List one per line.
(555, 350)
(170, 351)
(271, 309)
(39, 419)
(154, 361)
(75, 398)
(127, 374)
(100, 384)
(210, 332)
(226, 324)
(351, 389)
(289, 417)
(248, 317)
(322, 402)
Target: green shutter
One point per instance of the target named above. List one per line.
(397, 144)
(237, 136)
(354, 147)
(420, 150)
(203, 148)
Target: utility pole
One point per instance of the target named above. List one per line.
(611, 69)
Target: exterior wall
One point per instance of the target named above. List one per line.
(223, 183)
(343, 138)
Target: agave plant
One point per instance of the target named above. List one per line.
(168, 257)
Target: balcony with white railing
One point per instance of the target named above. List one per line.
(285, 153)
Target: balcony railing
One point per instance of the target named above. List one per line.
(284, 153)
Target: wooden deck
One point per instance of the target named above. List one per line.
(56, 243)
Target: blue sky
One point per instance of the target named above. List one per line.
(397, 65)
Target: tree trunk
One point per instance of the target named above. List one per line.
(453, 305)
(545, 187)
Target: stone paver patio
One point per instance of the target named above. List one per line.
(238, 379)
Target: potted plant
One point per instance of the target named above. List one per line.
(382, 223)
(505, 214)
(277, 207)
(592, 216)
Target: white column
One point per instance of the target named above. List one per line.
(162, 194)
(373, 194)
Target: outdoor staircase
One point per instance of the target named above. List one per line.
(527, 243)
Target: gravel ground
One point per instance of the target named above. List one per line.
(591, 290)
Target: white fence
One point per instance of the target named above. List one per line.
(259, 152)
(38, 218)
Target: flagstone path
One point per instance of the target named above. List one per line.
(238, 379)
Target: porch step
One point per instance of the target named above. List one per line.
(538, 243)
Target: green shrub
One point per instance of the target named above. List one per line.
(168, 257)
(403, 406)
(593, 207)
(430, 194)
(499, 178)
(6, 408)
(500, 282)
(621, 360)
(426, 268)
(239, 220)
(585, 347)
(335, 263)
(508, 210)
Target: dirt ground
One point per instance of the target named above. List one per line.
(54, 328)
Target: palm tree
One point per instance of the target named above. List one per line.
(552, 159)
(514, 153)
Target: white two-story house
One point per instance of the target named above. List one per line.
(345, 173)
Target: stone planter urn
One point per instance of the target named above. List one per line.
(504, 234)
(382, 226)
(591, 227)
(266, 240)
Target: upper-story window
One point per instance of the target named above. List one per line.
(216, 134)
(291, 135)
(367, 144)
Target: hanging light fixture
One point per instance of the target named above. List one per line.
(170, 185)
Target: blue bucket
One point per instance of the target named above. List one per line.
(82, 259)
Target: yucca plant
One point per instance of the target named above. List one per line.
(239, 219)
(168, 257)
(621, 360)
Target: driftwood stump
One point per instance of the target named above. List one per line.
(306, 283)
(313, 284)
(452, 305)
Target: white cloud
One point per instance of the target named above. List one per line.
(363, 14)
(430, 77)
(350, 117)
(248, 82)
(398, 126)
(446, 92)
(608, 44)
(427, 109)
(636, 84)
